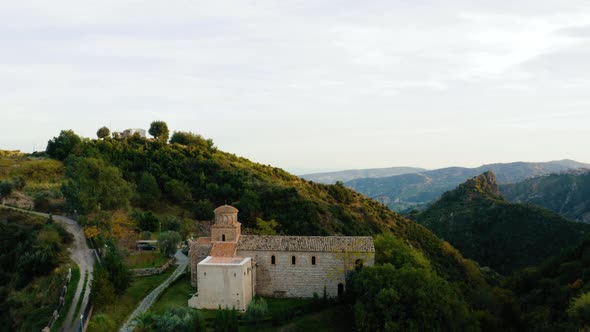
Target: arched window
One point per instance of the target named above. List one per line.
(340, 289)
(223, 237)
(273, 260)
(312, 260)
(293, 260)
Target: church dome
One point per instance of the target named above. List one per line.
(225, 209)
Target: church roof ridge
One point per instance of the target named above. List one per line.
(306, 243)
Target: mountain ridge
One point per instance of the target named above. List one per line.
(484, 226)
(351, 174)
(407, 191)
(567, 193)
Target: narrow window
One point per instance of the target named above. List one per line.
(223, 237)
(340, 289)
(273, 260)
(312, 260)
(293, 260)
(358, 264)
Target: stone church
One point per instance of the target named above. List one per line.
(229, 268)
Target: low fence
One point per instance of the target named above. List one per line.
(62, 299)
(153, 270)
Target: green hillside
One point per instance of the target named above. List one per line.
(34, 263)
(556, 295)
(192, 178)
(505, 236)
(567, 194)
(185, 179)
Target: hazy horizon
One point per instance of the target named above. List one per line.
(307, 86)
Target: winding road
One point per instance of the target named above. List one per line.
(84, 258)
(146, 303)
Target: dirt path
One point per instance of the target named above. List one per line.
(84, 257)
(81, 255)
(147, 302)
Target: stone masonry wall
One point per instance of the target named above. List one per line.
(231, 233)
(197, 252)
(153, 270)
(283, 279)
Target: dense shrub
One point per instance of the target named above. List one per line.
(256, 312)
(579, 309)
(148, 191)
(226, 320)
(118, 271)
(173, 319)
(93, 185)
(407, 299)
(204, 210)
(146, 220)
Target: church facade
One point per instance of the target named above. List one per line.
(229, 268)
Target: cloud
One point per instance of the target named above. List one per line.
(317, 77)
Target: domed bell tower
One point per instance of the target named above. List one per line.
(226, 227)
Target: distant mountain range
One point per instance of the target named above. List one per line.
(407, 191)
(567, 193)
(477, 220)
(351, 174)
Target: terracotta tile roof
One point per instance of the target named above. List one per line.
(223, 249)
(306, 243)
(204, 240)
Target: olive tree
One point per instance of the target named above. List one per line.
(103, 132)
(159, 129)
(168, 241)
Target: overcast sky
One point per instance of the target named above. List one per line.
(307, 85)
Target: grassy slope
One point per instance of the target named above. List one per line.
(113, 316)
(145, 259)
(177, 294)
(43, 177)
(505, 236)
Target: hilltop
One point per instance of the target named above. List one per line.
(567, 193)
(485, 227)
(404, 192)
(190, 176)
